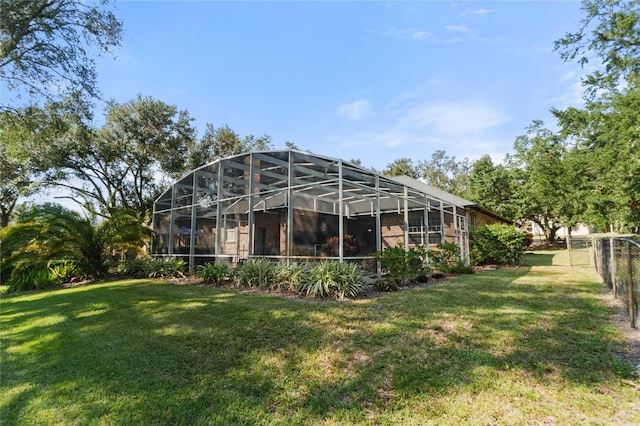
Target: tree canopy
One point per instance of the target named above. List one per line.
(47, 47)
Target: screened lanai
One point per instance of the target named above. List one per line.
(295, 206)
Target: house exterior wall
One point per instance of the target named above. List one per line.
(479, 219)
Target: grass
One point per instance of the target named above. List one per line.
(531, 345)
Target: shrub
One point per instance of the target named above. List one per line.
(335, 279)
(403, 265)
(30, 279)
(349, 246)
(214, 273)
(152, 267)
(498, 243)
(289, 277)
(258, 273)
(386, 285)
(62, 272)
(36, 276)
(445, 258)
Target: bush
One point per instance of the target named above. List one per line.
(38, 276)
(335, 279)
(446, 258)
(403, 265)
(386, 285)
(498, 243)
(62, 272)
(30, 279)
(289, 277)
(152, 267)
(214, 273)
(258, 273)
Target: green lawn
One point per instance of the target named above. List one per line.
(531, 345)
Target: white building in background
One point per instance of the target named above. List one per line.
(579, 230)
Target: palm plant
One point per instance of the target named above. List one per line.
(52, 232)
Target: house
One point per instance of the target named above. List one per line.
(294, 206)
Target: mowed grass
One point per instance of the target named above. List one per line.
(531, 345)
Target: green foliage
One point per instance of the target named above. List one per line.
(38, 277)
(46, 44)
(491, 186)
(609, 32)
(52, 233)
(497, 243)
(152, 267)
(386, 285)
(333, 279)
(214, 273)
(446, 257)
(545, 182)
(290, 277)
(402, 167)
(258, 273)
(403, 265)
(604, 134)
(445, 172)
(62, 272)
(30, 279)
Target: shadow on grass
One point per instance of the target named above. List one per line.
(538, 259)
(145, 352)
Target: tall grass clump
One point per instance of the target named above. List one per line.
(214, 273)
(334, 279)
(290, 277)
(152, 267)
(256, 273)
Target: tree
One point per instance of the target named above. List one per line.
(606, 159)
(51, 232)
(445, 172)
(402, 167)
(610, 30)
(542, 179)
(15, 164)
(491, 186)
(223, 142)
(605, 134)
(47, 47)
(125, 163)
(22, 133)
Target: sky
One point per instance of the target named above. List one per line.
(374, 81)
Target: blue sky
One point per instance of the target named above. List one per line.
(376, 81)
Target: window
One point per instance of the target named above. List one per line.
(416, 228)
(435, 228)
(231, 235)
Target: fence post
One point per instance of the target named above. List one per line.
(612, 267)
(632, 313)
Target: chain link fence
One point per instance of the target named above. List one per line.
(617, 260)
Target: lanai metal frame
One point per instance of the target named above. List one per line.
(284, 204)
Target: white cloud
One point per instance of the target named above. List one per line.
(451, 119)
(457, 28)
(409, 34)
(357, 110)
(482, 11)
(415, 128)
